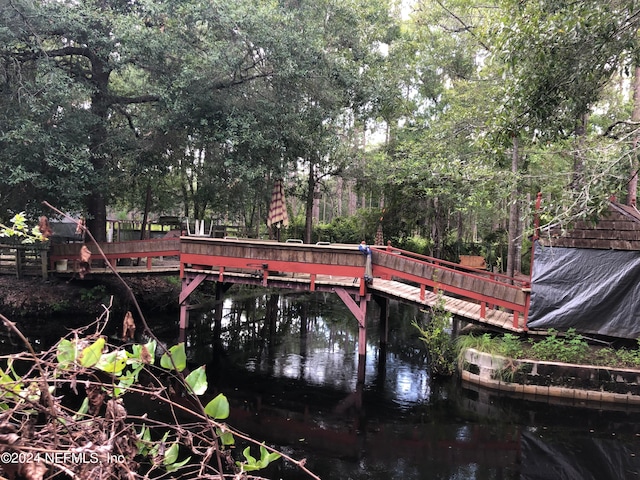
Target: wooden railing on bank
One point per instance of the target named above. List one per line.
(272, 261)
(24, 259)
(265, 258)
(147, 249)
(491, 290)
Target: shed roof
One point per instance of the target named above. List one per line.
(617, 229)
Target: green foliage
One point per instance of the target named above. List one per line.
(341, 230)
(197, 381)
(349, 229)
(218, 408)
(570, 349)
(252, 463)
(20, 231)
(93, 294)
(417, 244)
(511, 346)
(109, 377)
(175, 358)
(437, 337)
(484, 343)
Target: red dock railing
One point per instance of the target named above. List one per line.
(491, 290)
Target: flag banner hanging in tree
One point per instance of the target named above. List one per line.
(379, 236)
(278, 207)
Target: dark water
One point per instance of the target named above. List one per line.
(289, 365)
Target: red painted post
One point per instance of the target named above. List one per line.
(184, 317)
(362, 334)
(483, 310)
(515, 320)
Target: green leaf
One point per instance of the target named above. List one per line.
(175, 359)
(197, 380)
(252, 464)
(10, 386)
(84, 408)
(266, 457)
(247, 454)
(218, 408)
(91, 354)
(113, 362)
(171, 455)
(175, 466)
(143, 353)
(226, 438)
(66, 353)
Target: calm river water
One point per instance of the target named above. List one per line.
(289, 365)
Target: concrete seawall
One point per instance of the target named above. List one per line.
(552, 382)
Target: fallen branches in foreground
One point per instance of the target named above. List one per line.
(65, 414)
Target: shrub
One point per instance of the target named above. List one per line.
(437, 337)
(572, 349)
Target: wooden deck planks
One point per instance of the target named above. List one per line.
(462, 308)
(409, 289)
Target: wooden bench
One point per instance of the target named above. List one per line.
(473, 261)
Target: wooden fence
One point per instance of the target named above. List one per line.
(24, 260)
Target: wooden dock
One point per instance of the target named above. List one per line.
(473, 294)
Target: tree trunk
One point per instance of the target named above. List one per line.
(96, 201)
(97, 216)
(145, 215)
(632, 189)
(339, 192)
(311, 188)
(513, 249)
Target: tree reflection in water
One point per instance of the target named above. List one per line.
(290, 365)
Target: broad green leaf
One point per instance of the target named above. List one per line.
(218, 408)
(91, 354)
(252, 464)
(144, 437)
(143, 353)
(66, 353)
(171, 455)
(226, 438)
(266, 457)
(175, 359)
(247, 454)
(197, 380)
(113, 362)
(9, 385)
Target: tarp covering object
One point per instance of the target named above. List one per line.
(593, 291)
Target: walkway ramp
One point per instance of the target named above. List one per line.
(459, 307)
(477, 295)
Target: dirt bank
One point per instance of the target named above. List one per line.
(33, 297)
